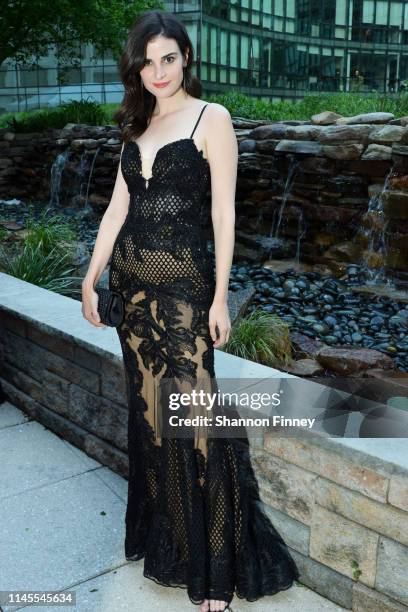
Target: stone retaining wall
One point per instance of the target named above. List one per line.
(76, 392)
(340, 186)
(321, 176)
(349, 519)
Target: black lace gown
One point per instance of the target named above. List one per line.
(193, 508)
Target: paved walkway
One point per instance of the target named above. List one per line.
(62, 528)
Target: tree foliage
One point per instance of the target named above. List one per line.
(29, 27)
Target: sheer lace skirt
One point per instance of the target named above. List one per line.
(193, 508)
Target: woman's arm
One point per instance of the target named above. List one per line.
(112, 221)
(110, 225)
(222, 152)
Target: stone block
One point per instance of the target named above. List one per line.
(324, 580)
(369, 600)
(380, 517)
(343, 151)
(295, 534)
(344, 133)
(329, 464)
(398, 492)
(14, 323)
(51, 392)
(88, 359)
(35, 361)
(392, 574)
(389, 134)
(53, 342)
(113, 381)
(377, 151)
(98, 415)
(108, 455)
(307, 147)
(395, 204)
(343, 545)
(285, 486)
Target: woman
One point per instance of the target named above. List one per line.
(193, 508)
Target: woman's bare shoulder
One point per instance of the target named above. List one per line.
(216, 109)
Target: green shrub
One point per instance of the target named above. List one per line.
(260, 337)
(49, 231)
(238, 104)
(344, 103)
(88, 112)
(50, 271)
(45, 256)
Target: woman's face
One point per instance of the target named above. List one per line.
(163, 64)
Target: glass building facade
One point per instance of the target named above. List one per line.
(274, 49)
(280, 49)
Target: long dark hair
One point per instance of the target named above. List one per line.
(138, 104)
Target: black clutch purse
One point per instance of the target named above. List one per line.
(110, 306)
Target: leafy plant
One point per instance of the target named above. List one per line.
(49, 271)
(49, 231)
(260, 337)
(76, 111)
(30, 27)
(344, 103)
(356, 570)
(45, 258)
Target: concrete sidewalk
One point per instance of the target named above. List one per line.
(62, 528)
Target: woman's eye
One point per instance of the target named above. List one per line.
(167, 58)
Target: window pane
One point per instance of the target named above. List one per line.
(234, 50)
(341, 13)
(396, 14)
(290, 8)
(224, 46)
(213, 45)
(244, 51)
(381, 15)
(368, 11)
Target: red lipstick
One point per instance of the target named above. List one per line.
(161, 84)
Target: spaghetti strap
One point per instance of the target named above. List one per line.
(202, 110)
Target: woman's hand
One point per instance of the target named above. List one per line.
(90, 306)
(219, 316)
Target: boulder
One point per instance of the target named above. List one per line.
(325, 118)
(304, 367)
(346, 361)
(378, 117)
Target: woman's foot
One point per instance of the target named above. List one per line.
(217, 605)
(213, 605)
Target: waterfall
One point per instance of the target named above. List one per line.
(301, 231)
(372, 267)
(293, 164)
(89, 178)
(57, 169)
(84, 175)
